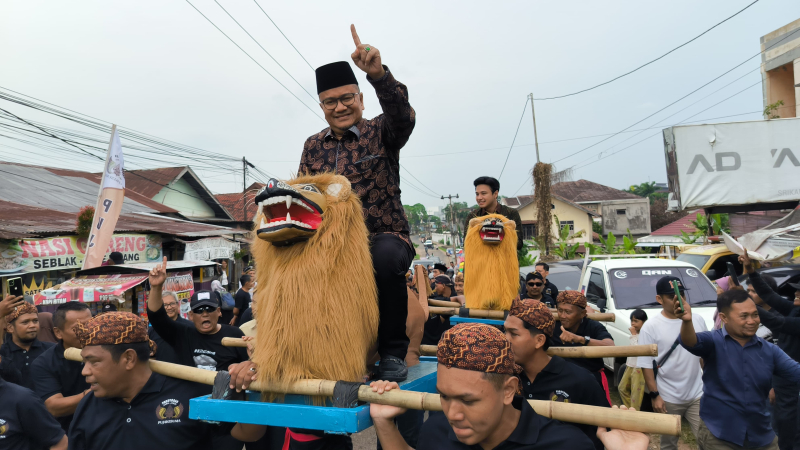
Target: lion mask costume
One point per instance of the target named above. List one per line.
(317, 300)
(491, 280)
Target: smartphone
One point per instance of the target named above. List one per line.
(15, 286)
(678, 294)
(732, 273)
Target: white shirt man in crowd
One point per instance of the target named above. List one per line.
(678, 386)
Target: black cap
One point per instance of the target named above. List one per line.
(534, 276)
(443, 279)
(334, 75)
(116, 257)
(204, 298)
(663, 286)
(108, 307)
(440, 267)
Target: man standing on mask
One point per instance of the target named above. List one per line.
(367, 152)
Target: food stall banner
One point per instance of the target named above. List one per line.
(210, 249)
(67, 252)
(101, 288)
(89, 288)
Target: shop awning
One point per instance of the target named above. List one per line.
(89, 288)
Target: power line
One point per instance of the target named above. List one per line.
(265, 51)
(678, 100)
(420, 182)
(253, 59)
(287, 39)
(648, 137)
(652, 61)
(524, 108)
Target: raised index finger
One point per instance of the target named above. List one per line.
(164, 263)
(355, 35)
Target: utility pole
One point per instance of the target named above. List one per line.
(245, 163)
(452, 225)
(535, 137)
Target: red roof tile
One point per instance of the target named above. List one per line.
(233, 203)
(674, 228)
(589, 191)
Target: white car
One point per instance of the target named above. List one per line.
(620, 286)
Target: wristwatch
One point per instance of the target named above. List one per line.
(654, 394)
(586, 340)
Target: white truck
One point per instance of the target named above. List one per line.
(624, 284)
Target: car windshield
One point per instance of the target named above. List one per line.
(636, 287)
(566, 281)
(696, 260)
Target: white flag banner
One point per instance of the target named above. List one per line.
(109, 204)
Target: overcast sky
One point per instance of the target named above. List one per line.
(161, 68)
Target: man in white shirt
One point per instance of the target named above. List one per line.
(678, 385)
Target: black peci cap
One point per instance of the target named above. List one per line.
(663, 286)
(116, 257)
(334, 75)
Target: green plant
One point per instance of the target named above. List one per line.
(597, 227)
(607, 245)
(629, 245)
(83, 223)
(416, 256)
(769, 109)
(687, 238)
(239, 254)
(562, 248)
(524, 258)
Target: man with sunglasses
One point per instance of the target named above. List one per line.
(534, 287)
(367, 152)
(199, 342)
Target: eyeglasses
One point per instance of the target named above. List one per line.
(204, 309)
(536, 284)
(170, 305)
(346, 99)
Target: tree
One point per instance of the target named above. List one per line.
(597, 227)
(659, 216)
(648, 190)
(563, 249)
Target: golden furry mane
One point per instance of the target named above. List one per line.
(317, 300)
(491, 275)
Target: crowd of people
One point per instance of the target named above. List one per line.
(722, 381)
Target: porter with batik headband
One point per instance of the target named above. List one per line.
(529, 328)
(575, 329)
(129, 405)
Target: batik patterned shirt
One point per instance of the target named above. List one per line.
(369, 156)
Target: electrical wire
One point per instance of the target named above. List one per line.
(649, 62)
(524, 108)
(287, 39)
(678, 100)
(265, 51)
(253, 59)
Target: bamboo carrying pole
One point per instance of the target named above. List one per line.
(444, 303)
(500, 315)
(564, 352)
(566, 412)
(575, 352)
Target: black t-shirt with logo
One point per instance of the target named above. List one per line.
(193, 348)
(25, 423)
(17, 361)
(164, 351)
(533, 432)
(53, 374)
(560, 381)
(588, 327)
(158, 417)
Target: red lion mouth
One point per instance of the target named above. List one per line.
(285, 210)
(492, 231)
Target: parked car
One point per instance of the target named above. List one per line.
(429, 243)
(425, 262)
(783, 276)
(621, 285)
(711, 259)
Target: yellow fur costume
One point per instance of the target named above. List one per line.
(491, 277)
(317, 300)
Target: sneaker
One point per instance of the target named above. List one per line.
(392, 368)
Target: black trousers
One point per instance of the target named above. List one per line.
(391, 258)
(785, 418)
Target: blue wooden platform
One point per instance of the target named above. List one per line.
(455, 320)
(296, 411)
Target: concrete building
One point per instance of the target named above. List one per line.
(619, 211)
(570, 214)
(780, 68)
